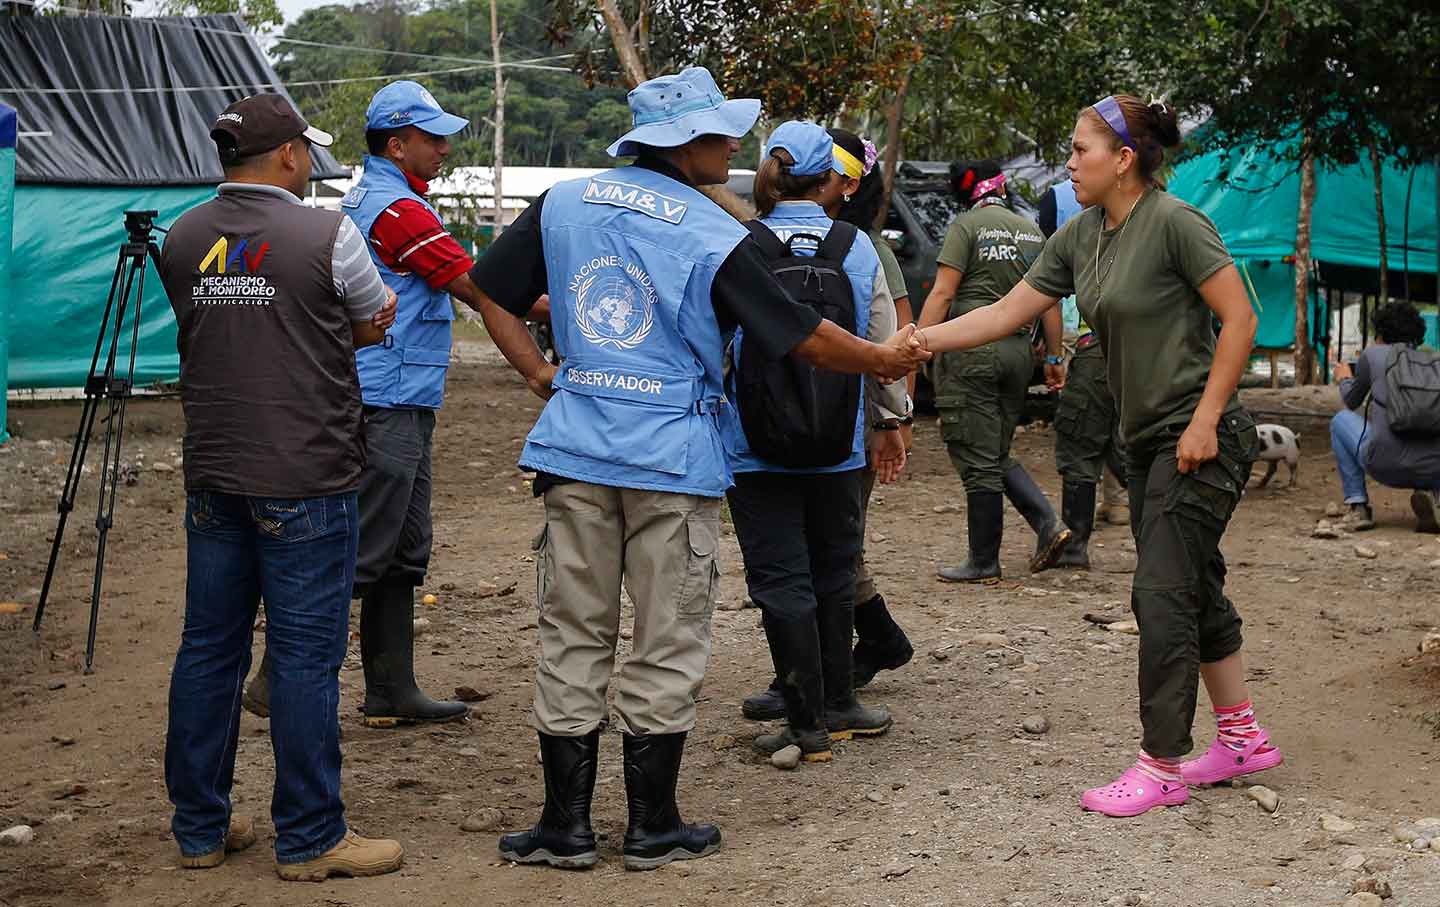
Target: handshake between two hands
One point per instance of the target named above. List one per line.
(901, 354)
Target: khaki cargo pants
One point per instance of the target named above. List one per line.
(663, 547)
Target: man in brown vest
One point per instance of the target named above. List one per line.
(271, 299)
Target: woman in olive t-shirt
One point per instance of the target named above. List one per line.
(1148, 271)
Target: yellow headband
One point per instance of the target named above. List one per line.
(853, 168)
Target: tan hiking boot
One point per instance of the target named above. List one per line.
(240, 835)
(354, 856)
(1115, 501)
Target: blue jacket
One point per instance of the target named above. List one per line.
(630, 257)
(408, 369)
(861, 266)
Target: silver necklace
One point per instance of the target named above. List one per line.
(1114, 246)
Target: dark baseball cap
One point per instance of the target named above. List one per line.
(259, 123)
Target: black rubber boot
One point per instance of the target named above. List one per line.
(1050, 534)
(1077, 509)
(563, 836)
(845, 717)
(656, 835)
(768, 705)
(257, 692)
(387, 651)
(882, 645)
(985, 516)
(795, 649)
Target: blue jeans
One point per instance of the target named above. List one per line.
(1346, 430)
(299, 555)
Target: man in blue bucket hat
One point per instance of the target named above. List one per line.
(645, 275)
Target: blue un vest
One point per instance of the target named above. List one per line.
(630, 256)
(1067, 207)
(861, 266)
(408, 369)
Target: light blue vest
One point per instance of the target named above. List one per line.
(630, 257)
(408, 369)
(1067, 207)
(861, 266)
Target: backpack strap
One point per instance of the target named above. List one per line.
(838, 241)
(769, 243)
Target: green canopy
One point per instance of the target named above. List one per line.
(1253, 196)
(7, 216)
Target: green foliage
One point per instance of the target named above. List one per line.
(258, 14)
(551, 117)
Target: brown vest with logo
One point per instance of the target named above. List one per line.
(267, 363)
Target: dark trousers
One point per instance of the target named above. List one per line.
(1086, 424)
(300, 555)
(395, 529)
(799, 535)
(1178, 594)
(980, 395)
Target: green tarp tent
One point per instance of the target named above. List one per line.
(7, 212)
(117, 113)
(1253, 196)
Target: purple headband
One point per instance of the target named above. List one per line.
(1110, 112)
(995, 182)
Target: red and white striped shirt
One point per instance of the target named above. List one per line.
(408, 239)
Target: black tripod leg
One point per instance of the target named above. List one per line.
(82, 441)
(118, 392)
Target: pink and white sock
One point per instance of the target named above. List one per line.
(1236, 726)
(1161, 770)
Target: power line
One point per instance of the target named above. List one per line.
(535, 63)
(181, 89)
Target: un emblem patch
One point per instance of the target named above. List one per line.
(611, 310)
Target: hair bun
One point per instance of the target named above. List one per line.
(1164, 124)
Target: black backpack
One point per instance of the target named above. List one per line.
(794, 414)
(1413, 379)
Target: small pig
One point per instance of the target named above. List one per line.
(1278, 443)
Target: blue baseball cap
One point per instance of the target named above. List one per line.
(811, 146)
(672, 110)
(407, 103)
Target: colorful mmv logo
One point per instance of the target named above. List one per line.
(241, 259)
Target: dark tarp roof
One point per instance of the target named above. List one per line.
(129, 101)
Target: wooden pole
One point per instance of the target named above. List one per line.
(499, 121)
(1380, 219)
(1304, 354)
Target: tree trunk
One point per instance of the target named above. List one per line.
(630, 62)
(499, 122)
(1304, 353)
(893, 144)
(1380, 218)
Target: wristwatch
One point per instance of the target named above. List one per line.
(1054, 360)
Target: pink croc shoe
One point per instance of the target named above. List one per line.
(1221, 763)
(1133, 793)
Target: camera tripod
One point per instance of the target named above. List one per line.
(105, 385)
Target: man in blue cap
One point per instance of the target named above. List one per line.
(645, 274)
(402, 383)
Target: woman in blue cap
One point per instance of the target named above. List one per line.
(881, 643)
(799, 527)
(645, 274)
(1150, 293)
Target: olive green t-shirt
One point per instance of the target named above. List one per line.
(991, 246)
(1156, 330)
(894, 277)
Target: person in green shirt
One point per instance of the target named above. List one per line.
(980, 392)
(1148, 273)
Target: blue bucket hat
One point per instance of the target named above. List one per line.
(672, 110)
(812, 148)
(407, 103)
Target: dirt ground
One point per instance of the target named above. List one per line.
(956, 805)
